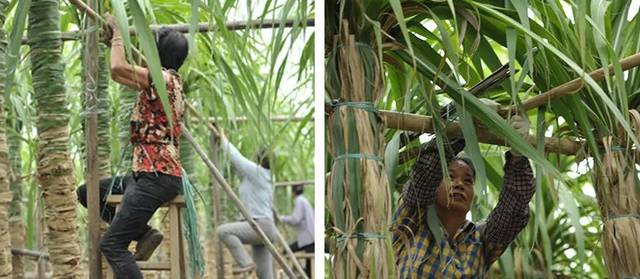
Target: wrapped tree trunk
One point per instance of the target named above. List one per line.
(55, 168)
(358, 194)
(617, 193)
(5, 194)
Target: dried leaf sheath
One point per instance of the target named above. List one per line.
(616, 185)
(55, 168)
(358, 189)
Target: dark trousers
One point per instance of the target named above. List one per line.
(141, 199)
(119, 187)
(307, 248)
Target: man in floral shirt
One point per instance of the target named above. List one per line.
(156, 166)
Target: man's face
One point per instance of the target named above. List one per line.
(461, 192)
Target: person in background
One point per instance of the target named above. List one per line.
(256, 194)
(302, 220)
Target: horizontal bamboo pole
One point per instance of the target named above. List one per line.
(424, 124)
(291, 183)
(236, 201)
(243, 119)
(572, 87)
(201, 27)
(35, 255)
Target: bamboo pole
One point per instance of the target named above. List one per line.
(572, 87)
(201, 27)
(217, 218)
(245, 213)
(424, 124)
(287, 249)
(35, 255)
(298, 182)
(91, 120)
(242, 119)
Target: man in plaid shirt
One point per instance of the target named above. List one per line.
(465, 249)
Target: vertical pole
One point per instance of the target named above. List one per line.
(215, 200)
(91, 123)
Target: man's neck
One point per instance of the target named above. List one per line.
(451, 220)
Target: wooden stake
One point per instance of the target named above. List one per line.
(245, 213)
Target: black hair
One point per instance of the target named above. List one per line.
(297, 189)
(469, 163)
(173, 48)
(263, 158)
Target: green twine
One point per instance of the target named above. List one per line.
(190, 226)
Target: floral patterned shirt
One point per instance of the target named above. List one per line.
(155, 144)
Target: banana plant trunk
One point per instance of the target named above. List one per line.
(5, 194)
(358, 194)
(54, 165)
(617, 193)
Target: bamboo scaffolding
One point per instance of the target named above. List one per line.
(245, 213)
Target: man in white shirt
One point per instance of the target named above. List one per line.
(256, 193)
(302, 220)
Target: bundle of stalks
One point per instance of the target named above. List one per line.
(618, 200)
(358, 194)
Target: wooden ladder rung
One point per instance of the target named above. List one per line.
(154, 265)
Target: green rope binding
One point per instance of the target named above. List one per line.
(190, 226)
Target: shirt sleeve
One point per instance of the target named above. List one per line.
(244, 166)
(511, 214)
(297, 215)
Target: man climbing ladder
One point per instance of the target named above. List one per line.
(156, 166)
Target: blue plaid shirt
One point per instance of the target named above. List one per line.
(474, 247)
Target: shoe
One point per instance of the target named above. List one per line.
(244, 269)
(147, 245)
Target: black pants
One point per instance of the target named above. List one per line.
(307, 248)
(141, 199)
(119, 187)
